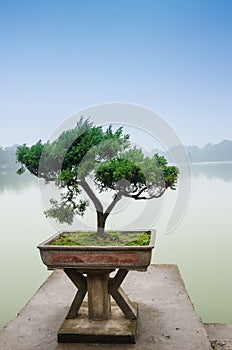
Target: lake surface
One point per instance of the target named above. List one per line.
(201, 245)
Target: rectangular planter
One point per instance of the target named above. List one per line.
(96, 257)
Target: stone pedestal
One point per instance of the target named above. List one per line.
(97, 320)
(98, 295)
(89, 268)
(117, 329)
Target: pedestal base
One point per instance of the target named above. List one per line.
(117, 329)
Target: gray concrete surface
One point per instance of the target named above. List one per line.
(220, 335)
(117, 329)
(167, 320)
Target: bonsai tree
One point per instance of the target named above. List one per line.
(88, 156)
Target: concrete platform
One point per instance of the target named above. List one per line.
(167, 320)
(220, 335)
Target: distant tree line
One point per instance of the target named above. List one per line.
(220, 152)
(8, 158)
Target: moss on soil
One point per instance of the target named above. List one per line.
(110, 239)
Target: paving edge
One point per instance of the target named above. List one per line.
(220, 335)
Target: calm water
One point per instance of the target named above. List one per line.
(201, 245)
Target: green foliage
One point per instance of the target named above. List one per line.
(108, 175)
(111, 239)
(64, 211)
(29, 157)
(104, 156)
(133, 173)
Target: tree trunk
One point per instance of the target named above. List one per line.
(101, 220)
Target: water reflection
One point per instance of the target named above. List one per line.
(222, 171)
(9, 180)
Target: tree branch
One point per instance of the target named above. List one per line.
(136, 197)
(139, 193)
(112, 205)
(90, 193)
(151, 197)
(70, 196)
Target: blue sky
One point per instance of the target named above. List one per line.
(171, 56)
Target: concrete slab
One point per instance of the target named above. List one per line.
(117, 329)
(220, 335)
(167, 320)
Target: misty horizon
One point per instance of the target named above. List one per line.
(4, 147)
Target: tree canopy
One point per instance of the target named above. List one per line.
(107, 158)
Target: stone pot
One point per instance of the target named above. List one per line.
(96, 257)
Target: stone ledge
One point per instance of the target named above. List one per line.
(167, 320)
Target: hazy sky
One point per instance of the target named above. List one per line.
(171, 56)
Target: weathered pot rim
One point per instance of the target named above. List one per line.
(47, 243)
